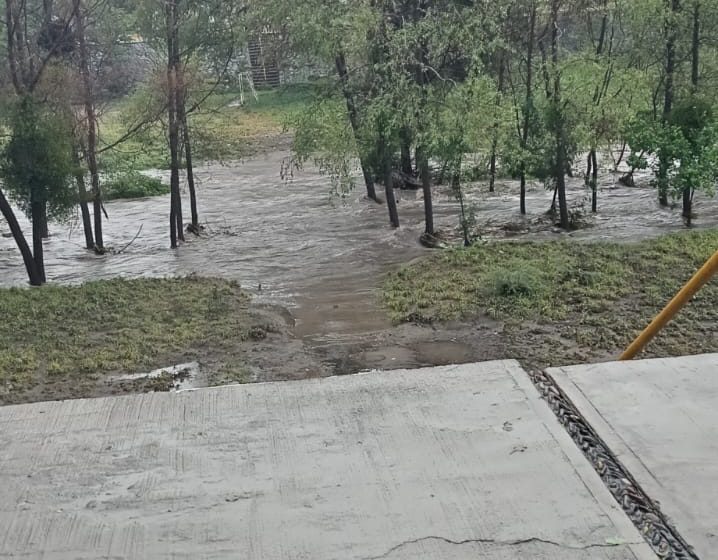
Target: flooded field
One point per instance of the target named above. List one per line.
(321, 257)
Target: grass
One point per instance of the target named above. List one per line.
(220, 132)
(588, 299)
(63, 338)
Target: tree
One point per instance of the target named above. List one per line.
(36, 170)
(557, 116)
(34, 41)
(671, 30)
(89, 141)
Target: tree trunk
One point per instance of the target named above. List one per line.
(696, 45)
(456, 186)
(91, 116)
(529, 101)
(695, 67)
(173, 123)
(621, 155)
(688, 205)
(406, 165)
(561, 159)
(385, 157)
(341, 66)
(27, 257)
(389, 192)
(44, 229)
(37, 248)
(671, 32)
(495, 139)
(85, 211)
(426, 187)
(194, 228)
(594, 182)
(82, 197)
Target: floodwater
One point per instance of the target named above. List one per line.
(295, 244)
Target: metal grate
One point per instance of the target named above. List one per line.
(645, 514)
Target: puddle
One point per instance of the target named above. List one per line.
(181, 377)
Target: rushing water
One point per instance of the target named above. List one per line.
(296, 244)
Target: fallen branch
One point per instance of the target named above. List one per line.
(139, 231)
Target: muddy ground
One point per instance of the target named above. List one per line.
(315, 262)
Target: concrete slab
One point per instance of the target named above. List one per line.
(660, 418)
(445, 463)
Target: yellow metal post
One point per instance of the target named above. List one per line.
(701, 278)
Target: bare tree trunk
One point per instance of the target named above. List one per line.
(406, 166)
(385, 157)
(529, 100)
(561, 159)
(389, 192)
(495, 139)
(44, 229)
(37, 248)
(194, 227)
(341, 66)
(91, 116)
(426, 187)
(190, 176)
(84, 211)
(621, 155)
(173, 122)
(423, 161)
(27, 256)
(696, 44)
(671, 37)
(594, 182)
(695, 73)
(456, 186)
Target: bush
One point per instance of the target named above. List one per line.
(133, 185)
(519, 281)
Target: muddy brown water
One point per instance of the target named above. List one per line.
(322, 257)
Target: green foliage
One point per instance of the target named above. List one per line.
(688, 143)
(133, 185)
(517, 280)
(36, 163)
(323, 135)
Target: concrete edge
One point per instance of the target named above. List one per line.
(621, 451)
(310, 380)
(607, 433)
(629, 533)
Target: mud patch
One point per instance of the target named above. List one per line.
(173, 378)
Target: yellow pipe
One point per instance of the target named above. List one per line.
(701, 278)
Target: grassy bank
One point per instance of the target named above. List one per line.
(563, 302)
(222, 130)
(59, 341)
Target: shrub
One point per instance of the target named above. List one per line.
(133, 185)
(517, 281)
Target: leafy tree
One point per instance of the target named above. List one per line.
(37, 168)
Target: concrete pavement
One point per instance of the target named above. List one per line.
(660, 419)
(445, 463)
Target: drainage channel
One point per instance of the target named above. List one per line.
(664, 539)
